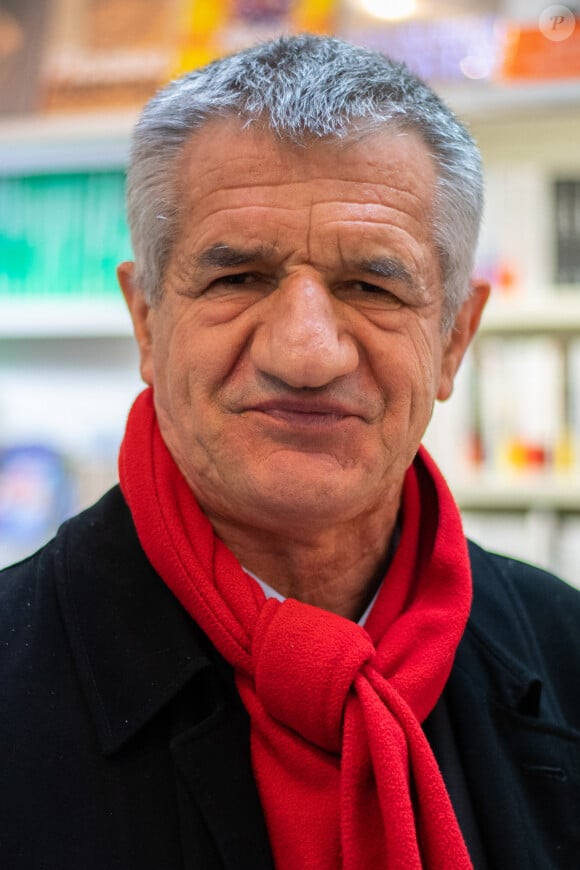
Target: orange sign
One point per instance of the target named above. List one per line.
(531, 53)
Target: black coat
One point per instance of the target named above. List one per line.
(124, 745)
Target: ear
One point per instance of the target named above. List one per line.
(460, 336)
(139, 311)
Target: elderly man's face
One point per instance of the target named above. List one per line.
(297, 351)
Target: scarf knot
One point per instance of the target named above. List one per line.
(306, 661)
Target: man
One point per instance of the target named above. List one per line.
(187, 682)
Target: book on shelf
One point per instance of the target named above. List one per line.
(24, 25)
(63, 408)
(573, 394)
(36, 495)
(522, 396)
(567, 231)
(514, 414)
(106, 53)
(514, 251)
(451, 436)
(62, 235)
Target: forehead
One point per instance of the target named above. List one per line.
(225, 155)
(242, 184)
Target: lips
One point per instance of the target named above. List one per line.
(315, 408)
(306, 415)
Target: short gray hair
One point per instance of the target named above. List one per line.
(302, 87)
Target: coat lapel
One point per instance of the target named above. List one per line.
(138, 653)
(213, 759)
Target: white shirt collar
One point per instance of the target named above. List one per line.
(272, 593)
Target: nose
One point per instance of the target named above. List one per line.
(302, 340)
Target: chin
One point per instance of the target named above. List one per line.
(305, 500)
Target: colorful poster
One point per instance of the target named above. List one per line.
(212, 28)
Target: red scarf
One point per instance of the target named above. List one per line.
(345, 774)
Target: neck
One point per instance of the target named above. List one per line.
(338, 569)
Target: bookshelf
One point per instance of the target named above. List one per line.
(529, 136)
(555, 318)
(68, 362)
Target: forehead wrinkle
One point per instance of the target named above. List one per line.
(375, 193)
(397, 179)
(310, 228)
(370, 220)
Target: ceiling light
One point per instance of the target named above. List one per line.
(388, 10)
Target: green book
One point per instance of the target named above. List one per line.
(62, 235)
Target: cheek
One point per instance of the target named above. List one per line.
(426, 344)
(176, 377)
(199, 370)
(406, 372)
(184, 355)
(171, 370)
(406, 361)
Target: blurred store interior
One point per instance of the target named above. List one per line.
(73, 74)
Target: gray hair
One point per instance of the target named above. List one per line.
(300, 87)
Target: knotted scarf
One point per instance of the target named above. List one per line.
(344, 772)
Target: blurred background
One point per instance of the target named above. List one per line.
(73, 75)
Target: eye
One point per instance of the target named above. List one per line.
(235, 280)
(365, 287)
(239, 285)
(238, 281)
(365, 293)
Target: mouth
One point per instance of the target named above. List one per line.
(322, 417)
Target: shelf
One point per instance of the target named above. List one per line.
(541, 492)
(65, 142)
(485, 100)
(60, 318)
(556, 312)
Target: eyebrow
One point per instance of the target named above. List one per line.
(221, 256)
(390, 268)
